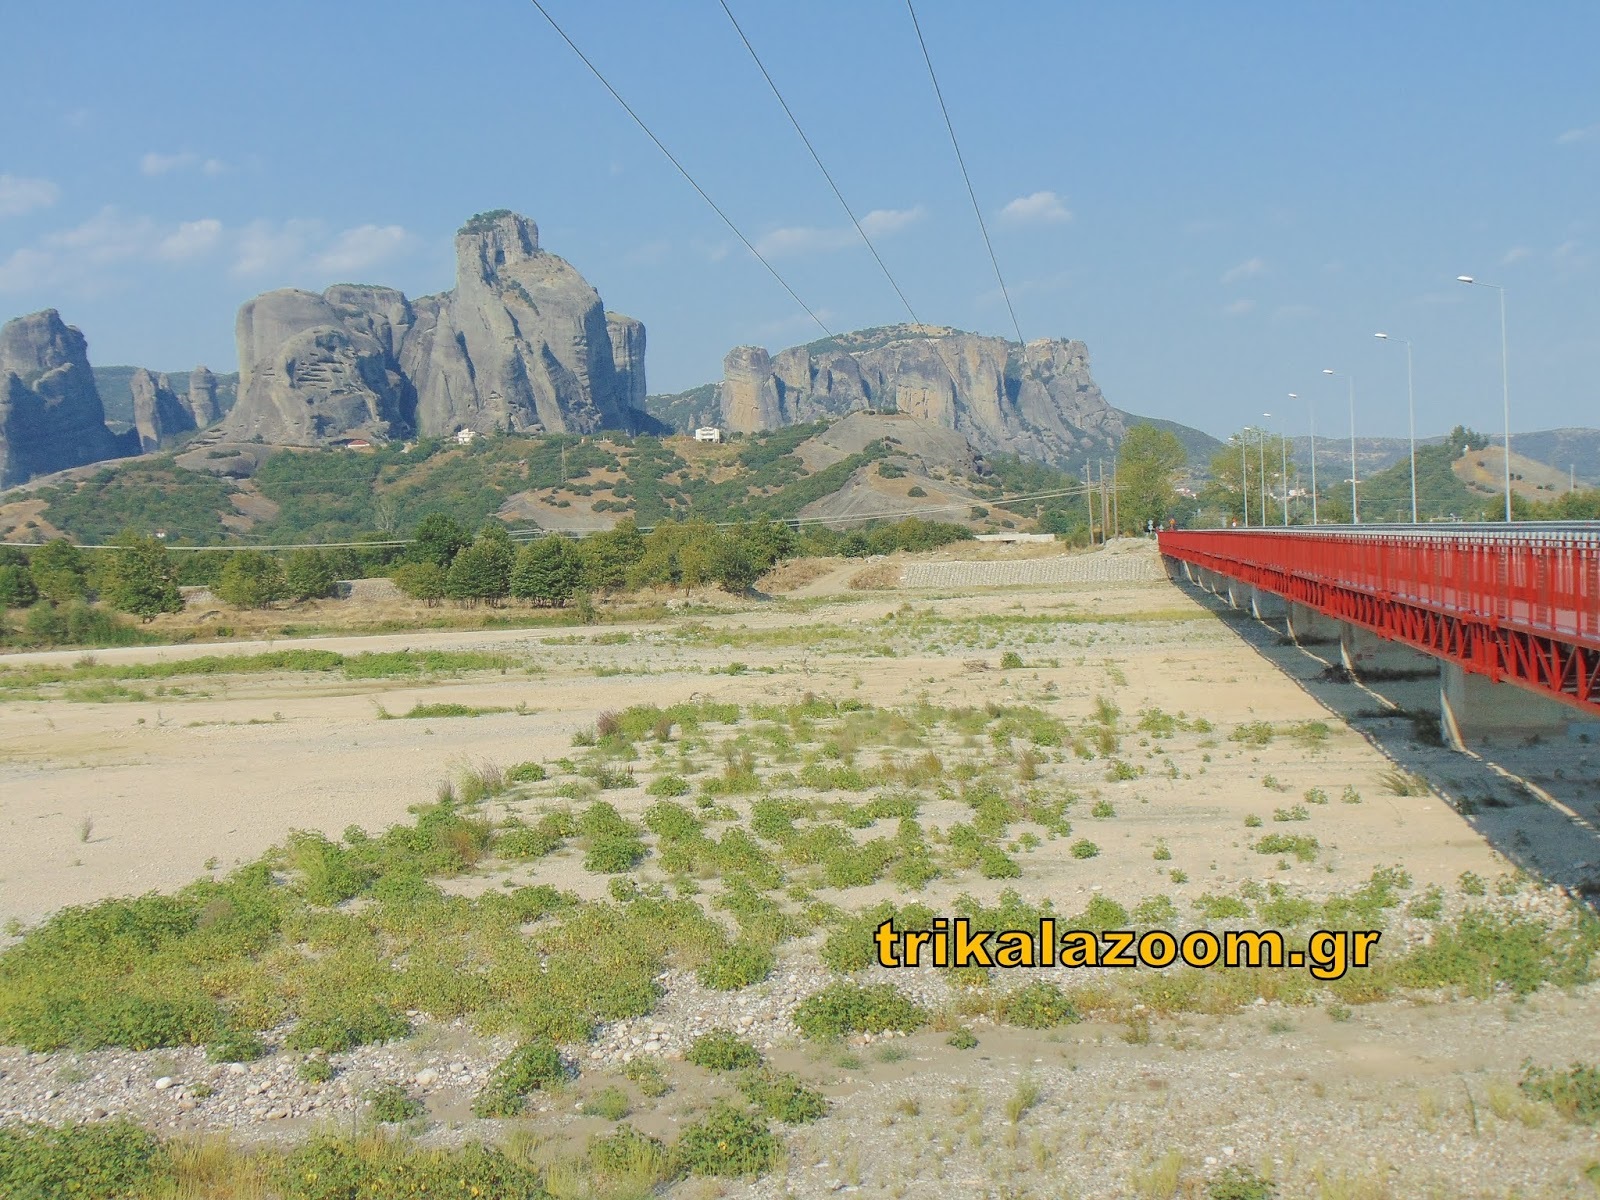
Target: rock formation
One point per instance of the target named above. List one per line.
(203, 397)
(51, 416)
(158, 414)
(1043, 405)
(522, 343)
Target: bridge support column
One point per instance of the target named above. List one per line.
(1310, 627)
(1238, 593)
(1473, 708)
(1364, 653)
(1267, 606)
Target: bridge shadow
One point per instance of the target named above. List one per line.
(1537, 802)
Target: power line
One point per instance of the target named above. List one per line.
(682, 170)
(970, 192)
(816, 158)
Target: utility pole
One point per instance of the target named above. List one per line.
(1116, 516)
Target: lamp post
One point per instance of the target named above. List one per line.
(1244, 475)
(1355, 511)
(1505, 377)
(1411, 412)
(1311, 409)
(1283, 471)
(1261, 447)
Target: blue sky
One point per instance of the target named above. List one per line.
(1220, 200)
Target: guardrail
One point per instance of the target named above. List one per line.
(1518, 602)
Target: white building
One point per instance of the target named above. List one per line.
(709, 433)
(464, 436)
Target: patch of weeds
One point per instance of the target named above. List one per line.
(1155, 911)
(102, 1160)
(1010, 661)
(962, 1039)
(1349, 795)
(610, 1103)
(1403, 783)
(1295, 812)
(236, 1046)
(1161, 853)
(737, 966)
(844, 1008)
(1253, 821)
(1084, 848)
(391, 1104)
(526, 772)
(782, 1096)
(531, 1068)
(1103, 810)
(1303, 846)
(721, 1050)
(629, 1158)
(315, 1069)
(1574, 1093)
(1120, 771)
(1316, 796)
(668, 785)
(1221, 908)
(1252, 733)
(1038, 1005)
(646, 1075)
(1241, 1183)
(1471, 884)
(726, 1142)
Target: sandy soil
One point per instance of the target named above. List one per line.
(102, 799)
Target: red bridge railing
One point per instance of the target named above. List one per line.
(1518, 602)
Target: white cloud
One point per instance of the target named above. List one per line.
(802, 239)
(1037, 208)
(1514, 255)
(1587, 133)
(362, 247)
(155, 163)
(190, 240)
(268, 246)
(1239, 308)
(1245, 270)
(80, 257)
(19, 195)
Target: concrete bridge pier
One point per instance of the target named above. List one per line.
(1364, 653)
(1474, 708)
(1268, 606)
(1312, 628)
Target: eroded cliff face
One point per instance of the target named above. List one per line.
(1042, 405)
(158, 414)
(521, 344)
(51, 417)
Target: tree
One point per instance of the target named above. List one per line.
(438, 540)
(421, 581)
(1147, 465)
(546, 572)
(607, 556)
(59, 571)
(736, 568)
(141, 578)
(16, 587)
(479, 573)
(250, 579)
(308, 575)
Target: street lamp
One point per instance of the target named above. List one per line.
(1355, 512)
(1505, 377)
(1261, 446)
(1312, 410)
(1244, 475)
(1411, 409)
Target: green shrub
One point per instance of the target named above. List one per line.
(726, 1142)
(721, 1050)
(1084, 848)
(781, 1096)
(531, 1068)
(609, 1102)
(526, 772)
(1252, 733)
(645, 1074)
(669, 785)
(1241, 1183)
(346, 1020)
(627, 1154)
(739, 965)
(106, 1160)
(391, 1104)
(611, 853)
(844, 1008)
(962, 1039)
(315, 1069)
(1010, 661)
(994, 863)
(1039, 1005)
(1302, 846)
(1575, 1092)
(330, 1168)
(236, 1046)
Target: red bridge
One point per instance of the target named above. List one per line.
(1493, 604)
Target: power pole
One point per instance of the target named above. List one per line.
(1116, 514)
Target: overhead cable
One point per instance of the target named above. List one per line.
(816, 158)
(682, 170)
(961, 162)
